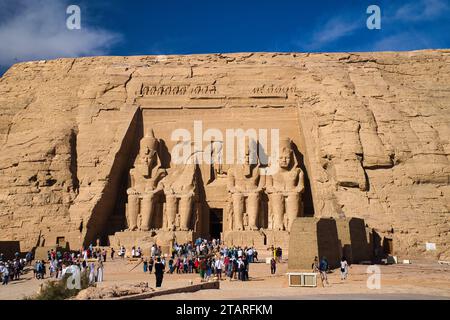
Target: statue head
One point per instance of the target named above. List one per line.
(286, 157)
(250, 160)
(148, 153)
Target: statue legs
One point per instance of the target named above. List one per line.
(238, 210)
(252, 210)
(147, 211)
(277, 203)
(185, 211)
(292, 207)
(171, 211)
(133, 210)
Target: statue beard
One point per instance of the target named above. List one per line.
(147, 166)
(153, 163)
(247, 170)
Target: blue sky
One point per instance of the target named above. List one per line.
(36, 29)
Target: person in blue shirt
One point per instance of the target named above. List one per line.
(323, 268)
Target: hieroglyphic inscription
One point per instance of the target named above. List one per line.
(177, 90)
(273, 89)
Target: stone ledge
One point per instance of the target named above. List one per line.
(193, 288)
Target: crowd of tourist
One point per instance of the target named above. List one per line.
(11, 270)
(88, 260)
(208, 259)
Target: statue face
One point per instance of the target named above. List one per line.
(285, 158)
(147, 161)
(148, 156)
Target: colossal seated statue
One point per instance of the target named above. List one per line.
(145, 188)
(180, 189)
(245, 185)
(285, 187)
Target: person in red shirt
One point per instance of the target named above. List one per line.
(196, 265)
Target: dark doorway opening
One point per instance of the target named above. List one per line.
(215, 223)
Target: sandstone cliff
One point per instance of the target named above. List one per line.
(375, 131)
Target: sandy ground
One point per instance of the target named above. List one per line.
(420, 280)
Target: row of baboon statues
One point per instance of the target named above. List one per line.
(149, 182)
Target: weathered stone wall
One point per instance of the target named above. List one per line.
(374, 129)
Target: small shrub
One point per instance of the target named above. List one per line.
(58, 290)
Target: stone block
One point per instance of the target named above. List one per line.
(311, 237)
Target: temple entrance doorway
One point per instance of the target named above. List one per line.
(215, 223)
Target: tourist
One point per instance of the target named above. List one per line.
(196, 265)
(279, 254)
(323, 269)
(344, 268)
(40, 269)
(112, 253)
(159, 272)
(235, 270)
(226, 264)
(138, 253)
(43, 269)
(122, 252)
(171, 267)
(36, 269)
(177, 265)
(29, 258)
(240, 268)
(185, 265)
(209, 267)
(273, 266)
(231, 267)
(4, 271)
(83, 265)
(104, 255)
(17, 266)
(218, 268)
(272, 249)
(246, 269)
(100, 271)
(91, 273)
(150, 264)
(52, 268)
(315, 265)
(145, 265)
(202, 268)
(250, 255)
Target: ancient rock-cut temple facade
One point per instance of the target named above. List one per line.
(87, 147)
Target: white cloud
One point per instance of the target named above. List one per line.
(329, 32)
(422, 10)
(38, 31)
(334, 30)
(396, 18)
(402, 41)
